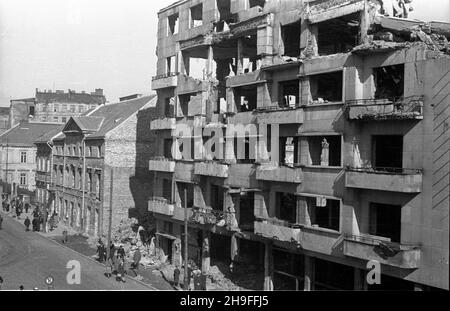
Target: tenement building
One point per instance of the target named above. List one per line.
(18, 157)
(94, 157)
(349, 98)
(54, 106)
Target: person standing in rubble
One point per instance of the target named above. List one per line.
(121, 270)
(136, 259)
(1, 220)
(100, 250)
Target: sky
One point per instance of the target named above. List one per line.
(87, 44)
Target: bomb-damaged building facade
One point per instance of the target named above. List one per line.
(356, 95)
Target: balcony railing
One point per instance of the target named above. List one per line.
(211, 168)
(161, 164)
(165, 80)
(401, 255)
(279, 115)
(404, 180)
(209, 216)
(291, 173)
(165, 75)
(399, 108)
(161, 206)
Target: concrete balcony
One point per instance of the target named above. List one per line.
(388, 253)
(279, 173)
(395, 180)
(161, 164)
(160, 206)
(276, 115)
(178, 213)
(278, 232)
(163, 124)
(211, 168)
(404, 108)
(165, 80)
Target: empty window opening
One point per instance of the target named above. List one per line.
(325, 150)
(290, 93)
(169, 107)
(324, 213)
(332, 276)
(286, 207)
(196, 16)
(225, 16)
(182, 186)
(167, 189)
(168, 148)
(184, 100)
(245, 154)
(290, 34)
(388, 152)
(31, 112)
(338, 35)
(385, 221)
(251, 255)
(220, 249)
(173, 24)
(246, 211)
(217, 197)
(253, 3)
(250, 60)
(288, 270)
(170, 64)
(326, 87)
(288, 150)
(245, 98)
(196, 68)
(389, 81)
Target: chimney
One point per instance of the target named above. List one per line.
(98, 92)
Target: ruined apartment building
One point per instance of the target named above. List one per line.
(360, 96)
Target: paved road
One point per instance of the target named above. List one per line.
(27, 258)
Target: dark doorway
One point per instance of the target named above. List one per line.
(385, 221)
(388, 152)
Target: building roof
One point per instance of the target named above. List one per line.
(25, 133)
(69, 97)
(105, 118)
(48, 136)
(4, 110)
(31, 99)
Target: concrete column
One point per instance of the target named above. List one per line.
(303, 212)
(268, 267)
(364, 26)
(209, 63)
(206, 258)
(309, 273)
(313, 39)
(240, 58)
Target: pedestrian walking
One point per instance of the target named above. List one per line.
(121, 252)
(27, 206)
(176, 277)
(136, 259)
(64, 233)
(27, 224)
(121, 270)
(109, 267)
(112, 251)
(33, 223)
(100, 250)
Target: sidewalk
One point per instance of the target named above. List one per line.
(79, 243)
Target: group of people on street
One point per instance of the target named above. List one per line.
(115, 262)
(16, 205)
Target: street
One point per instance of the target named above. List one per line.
(27, 258)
